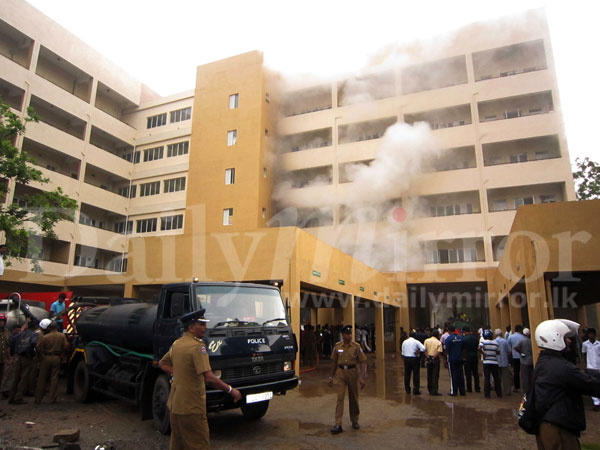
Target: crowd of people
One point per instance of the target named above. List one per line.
(31, 356)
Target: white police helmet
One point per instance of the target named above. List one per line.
(44, 323)
(550, 334)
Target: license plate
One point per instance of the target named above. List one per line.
(263, 396)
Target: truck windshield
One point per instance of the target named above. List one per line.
(228, 306)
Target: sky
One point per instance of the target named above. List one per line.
(162, 42)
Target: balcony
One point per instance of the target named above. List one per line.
(314, 217)
(364, 131)
(452, 159)
(511, 60)
(386, 211)
(450, 204)
(514, 107)
(521, 150)
(368, 88)
(307, 140)
(316, 176)
(58, 118)
(110, 143)
(454, 116)
(11, 94)
(306, 101)
(510, 198)
(51, 159)
(15, 45)
(112, 103)
(97, 258)
(63, 74)
(468, 250)
(100, 218)
(498, 244)
(348, 171)
(51, 250)
(107, 181)
(434, 75)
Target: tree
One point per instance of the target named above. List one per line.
(25, 222)
(587, 179)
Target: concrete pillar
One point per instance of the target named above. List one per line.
(313, 317)
(348, 312)
(131, 290)
(379, 331)
(380, 378)
(514, 309)
(582, 316)
(549, 299)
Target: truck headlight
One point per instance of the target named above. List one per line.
(217, 373)
(287, 366)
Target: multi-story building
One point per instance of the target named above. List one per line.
(201, 183)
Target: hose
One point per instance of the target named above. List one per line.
(127, 352)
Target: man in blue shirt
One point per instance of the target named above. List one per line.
(513, 341)
(57, 308)
(454, 349)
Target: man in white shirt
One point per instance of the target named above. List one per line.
(3, 250)
(591, 358)
(411, 352)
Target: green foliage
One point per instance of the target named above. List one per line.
(24, 224)
(587, 179)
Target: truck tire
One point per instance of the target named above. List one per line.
(160, 412)
(81, 383)
(255, 411)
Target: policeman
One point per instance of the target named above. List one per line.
(23, 345)
(187, 361)
(50, 349)
(345, 357)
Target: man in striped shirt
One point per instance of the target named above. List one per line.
(490, 350)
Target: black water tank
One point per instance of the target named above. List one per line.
(130, 326)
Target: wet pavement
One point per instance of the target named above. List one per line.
(301, 420)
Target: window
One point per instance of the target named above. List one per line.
(233, 101)
(500, 205)
(124, 227)
(156, 121)
(147, 189)
(171, 222)
(181, 114)
(146, 225)
(174, 185)
(229, 176)
(518, 158)
(127, 191)
(133, 157)
(152, 154)
(231, 137)
(178, 149)
(523, 201)
(547, 199)
(227, 215)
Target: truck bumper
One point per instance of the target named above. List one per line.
(218, 400)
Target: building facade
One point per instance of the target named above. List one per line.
(246, 177)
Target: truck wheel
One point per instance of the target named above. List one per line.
(81, 383)
(160, 412)
(255, 411)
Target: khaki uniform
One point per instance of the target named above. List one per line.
(50, 349)
(187, 400)
(349, 356)
(4, 352)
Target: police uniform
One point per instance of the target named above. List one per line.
(187, 400)
(50, 348)
(347, 358)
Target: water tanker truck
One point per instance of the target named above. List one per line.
(249, 340)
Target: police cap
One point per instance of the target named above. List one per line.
(347, 329)
(194, 316)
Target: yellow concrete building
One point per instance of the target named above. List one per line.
(202, 183)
